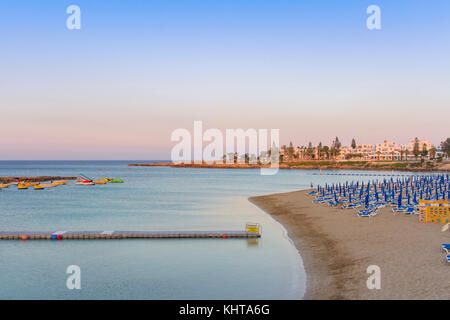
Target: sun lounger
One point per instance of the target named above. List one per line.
(446, 247)
(367, 212)
(399, 210)
(409, 210)
(448, 258)
(363, 215)
(368, 215)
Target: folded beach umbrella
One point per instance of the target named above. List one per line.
(366, 201)
(399, 203)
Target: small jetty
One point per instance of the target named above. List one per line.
(34, 179)
(92, 235)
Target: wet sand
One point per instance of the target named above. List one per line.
(337, 247)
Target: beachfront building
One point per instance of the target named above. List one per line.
(422, 143)
(367, 150)
(386, 150)
(350, 153)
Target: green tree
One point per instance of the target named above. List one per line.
(319, 150)
(353, 145)
(290, 151)
(326, 152)
(424, 152)
(310, 150)
(336, 147)
(433, 152)
(416, 149)
(445, 146)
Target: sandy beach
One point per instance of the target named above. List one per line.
(337, 247)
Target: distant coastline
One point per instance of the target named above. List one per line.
(314, 165)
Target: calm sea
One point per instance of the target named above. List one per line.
(152, 198)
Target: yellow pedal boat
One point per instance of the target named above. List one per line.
(38, 187)
(47, 185)
(59, 182)
(2, 186)
(21, 186)
(30, 184)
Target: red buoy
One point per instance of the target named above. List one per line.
(23, 237)
(224, 236)
(58, 237)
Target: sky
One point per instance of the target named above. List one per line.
(137, 70)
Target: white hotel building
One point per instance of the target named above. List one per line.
(386, 150)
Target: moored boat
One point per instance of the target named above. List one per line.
(59, 182)
(51, 185)
(85, 183)
(30, 184)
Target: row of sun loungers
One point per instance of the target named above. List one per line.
(407, 210)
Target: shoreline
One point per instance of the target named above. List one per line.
(336, 247)
(297, 166)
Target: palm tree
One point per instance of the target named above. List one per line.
(406, 154)
(378, 153)
(326, 151)
(392, 155)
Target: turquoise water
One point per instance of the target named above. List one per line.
(152, 198)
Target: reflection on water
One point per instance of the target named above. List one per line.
(158, 198)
